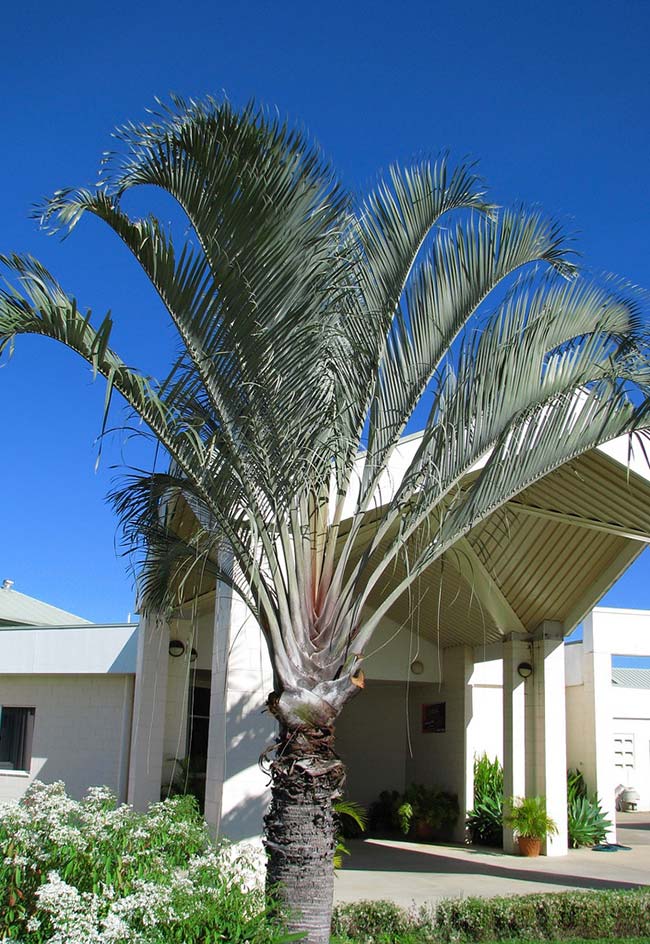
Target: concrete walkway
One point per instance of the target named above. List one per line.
(414, 873)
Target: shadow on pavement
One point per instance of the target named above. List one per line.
(371, 857)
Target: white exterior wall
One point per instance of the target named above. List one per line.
(82, 728)
(598, 710)
(69, 650)
(487, 708)
(371, 739)
(393, 648)
(445, 759)
(631, 717)
(578, 747)
(379, 734)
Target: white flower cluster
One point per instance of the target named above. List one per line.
(175, 890)
(245, 863)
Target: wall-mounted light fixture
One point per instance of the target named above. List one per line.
(525, 670)
(176, 648)
(417, 667)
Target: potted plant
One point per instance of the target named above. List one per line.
(528, 818)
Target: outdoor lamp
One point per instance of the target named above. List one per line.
(525, 670)
(417, 667)
(176, 648)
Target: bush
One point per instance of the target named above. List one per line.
(99, 873)
(371, 921)
(485, 819)
(553, 916)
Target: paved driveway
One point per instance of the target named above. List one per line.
(408, 873)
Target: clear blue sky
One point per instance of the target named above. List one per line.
(551, 98)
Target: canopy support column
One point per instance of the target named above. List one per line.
(148, 732)
(516, 651)
(549, 759)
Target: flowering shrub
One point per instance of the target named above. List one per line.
(93, 872)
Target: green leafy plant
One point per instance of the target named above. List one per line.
(485, 819)
(422, 806)
(382, 815)
(187, 779)
(528, 818)
(419, 808)
(587, 823)
(576, 784)
(352, 820)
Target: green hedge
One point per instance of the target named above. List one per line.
(546, 917)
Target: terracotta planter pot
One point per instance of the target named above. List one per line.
(529, 846)
(423, 831)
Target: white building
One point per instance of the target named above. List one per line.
(66, 697)
(444, 679)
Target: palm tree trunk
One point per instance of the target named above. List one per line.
(300, 829)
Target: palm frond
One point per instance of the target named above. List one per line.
(309, 326)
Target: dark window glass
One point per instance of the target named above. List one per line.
(201, 703)
(16, 732)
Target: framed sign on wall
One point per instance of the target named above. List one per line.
(434, 718)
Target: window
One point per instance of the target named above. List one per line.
(16, 731)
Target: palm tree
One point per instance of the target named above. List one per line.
(311, 326)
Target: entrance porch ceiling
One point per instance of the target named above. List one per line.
(549, 554)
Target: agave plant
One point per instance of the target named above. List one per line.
(311, 325)
(587, 823)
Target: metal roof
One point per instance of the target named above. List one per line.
(631, 678)
(18, 608)
(549, 554)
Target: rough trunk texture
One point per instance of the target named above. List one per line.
(300, 831)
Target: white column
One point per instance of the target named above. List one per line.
(515, 652)
(237, 790)
(549, 758)
(216, 760)
(125, 742)
(599, 769)
(458, 668)
(149, 712)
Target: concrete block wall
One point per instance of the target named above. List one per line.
(371, 739)
(174, 744)
(445, 759)
(82, 727)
